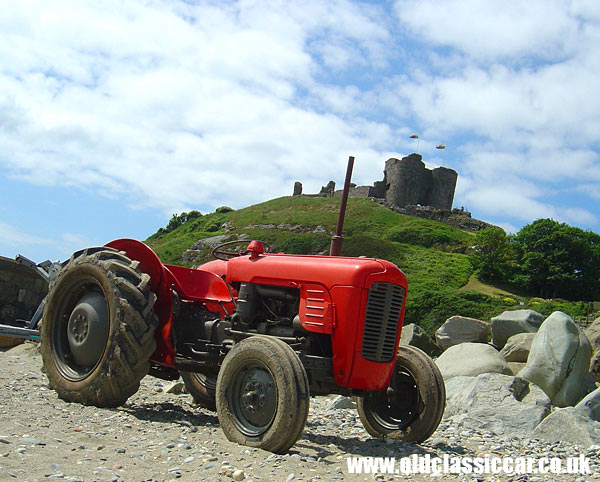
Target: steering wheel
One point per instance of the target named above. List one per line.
(219, 253)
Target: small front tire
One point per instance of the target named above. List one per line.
(412, 406)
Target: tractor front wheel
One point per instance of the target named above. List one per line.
(262, 394)
(412, 406)
(97, 333)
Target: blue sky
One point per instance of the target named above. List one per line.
(115, 115)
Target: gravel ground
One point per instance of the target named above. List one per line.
(159, 436)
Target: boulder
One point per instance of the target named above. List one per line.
(471, 359)
(593, 334)
(595, 366)
(341, 402)
(516, 367)
(501, 404)
(569, 425)
(517, 347)
(590, 405)
(510, 323)
(175, 388)
(460, 329)
(559, 361)
(416, 336)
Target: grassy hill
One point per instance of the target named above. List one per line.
(442, 281)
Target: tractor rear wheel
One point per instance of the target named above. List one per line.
(262, 394)
(97, 334)
(202, 388)
(412, 406)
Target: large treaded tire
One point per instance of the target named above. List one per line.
(419, 403)
(202, 388)
(126, 339)
(263, 360)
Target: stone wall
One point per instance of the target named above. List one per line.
(457, 218)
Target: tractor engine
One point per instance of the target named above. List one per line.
(267, 310)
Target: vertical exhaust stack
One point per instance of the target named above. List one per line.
(337, 239)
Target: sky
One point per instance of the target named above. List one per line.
(116, 115)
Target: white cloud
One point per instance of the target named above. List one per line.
(487, 29)
(179, 105)
(176, 104)
(24, 242)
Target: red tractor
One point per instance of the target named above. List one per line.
(253, 334)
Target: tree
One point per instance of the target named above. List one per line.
(492, 254)
(558, 260)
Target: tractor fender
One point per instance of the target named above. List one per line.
(150, 264)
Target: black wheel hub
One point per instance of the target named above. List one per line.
(253, 400)
(397, 406)
(87, 330)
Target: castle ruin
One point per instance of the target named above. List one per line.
(406, 182)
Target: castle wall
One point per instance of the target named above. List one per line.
(406, 182)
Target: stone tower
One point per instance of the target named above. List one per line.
(443, 184)
(409, 182)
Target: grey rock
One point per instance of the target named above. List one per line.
(595, 366)
(569, 425)
(471, 359)
(510, 323)
(175, 388)
(495, 403)
(590, 405)
(416, 336)
(460, 329)
(593, 334)
(341, 402)
(516, 367)
(559, 361)
(517, 347)
(32, 441)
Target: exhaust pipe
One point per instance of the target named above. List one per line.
(336, 240)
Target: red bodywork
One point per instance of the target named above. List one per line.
(333, 296)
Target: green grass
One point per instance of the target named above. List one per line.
(442, 281)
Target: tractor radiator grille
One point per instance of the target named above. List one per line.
(384, 305)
